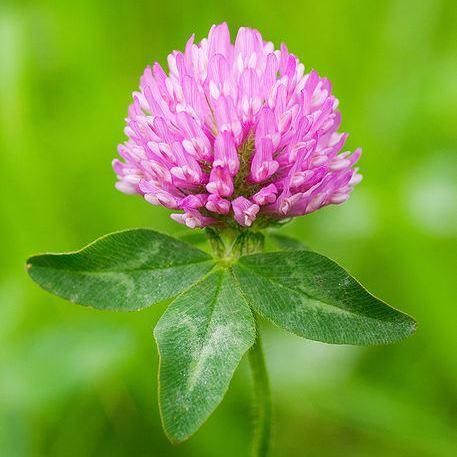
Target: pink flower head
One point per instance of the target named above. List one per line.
(235, 134)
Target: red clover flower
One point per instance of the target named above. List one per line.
(235, 132)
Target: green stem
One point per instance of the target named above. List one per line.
(262, 399)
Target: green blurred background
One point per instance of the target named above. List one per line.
(77, 382)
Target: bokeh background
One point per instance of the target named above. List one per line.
(77, 382)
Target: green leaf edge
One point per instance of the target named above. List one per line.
(29, 266)
(413, 322)
(222, 267)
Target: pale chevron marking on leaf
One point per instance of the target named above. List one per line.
(201, 338)
(126, 270)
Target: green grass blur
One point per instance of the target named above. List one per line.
(76, 382)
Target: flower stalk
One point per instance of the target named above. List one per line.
(261, 443)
